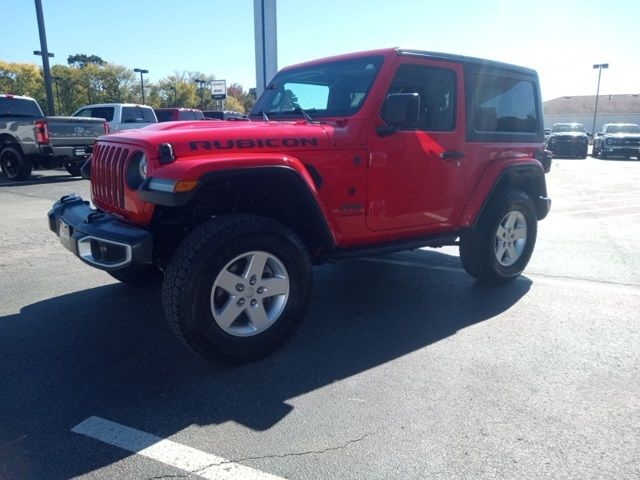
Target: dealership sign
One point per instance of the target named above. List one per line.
(219, 89)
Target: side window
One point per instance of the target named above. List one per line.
(437, 90)
(85, 112)
(503, 104)
(103, 112)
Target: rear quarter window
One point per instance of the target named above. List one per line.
(138, 115)
(503, 107)
(20, 107)
(105, 113)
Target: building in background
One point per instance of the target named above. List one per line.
(611, 109)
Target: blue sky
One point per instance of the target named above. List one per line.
(560, 39)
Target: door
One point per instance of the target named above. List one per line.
(415, 174)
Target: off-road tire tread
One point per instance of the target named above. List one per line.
(474, 251)
(177, 275)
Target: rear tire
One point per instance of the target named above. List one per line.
(237, 288)
(498, 248)
(14, 164)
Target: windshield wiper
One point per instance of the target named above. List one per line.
(262, 114)
(306, 116)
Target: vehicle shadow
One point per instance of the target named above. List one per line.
(617, 158)
(107, 352)
(38, 178)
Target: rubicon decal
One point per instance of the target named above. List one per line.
(251, 143)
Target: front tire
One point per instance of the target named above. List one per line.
(74, 169)
(14, 164)
(237, 288)
(499, 247)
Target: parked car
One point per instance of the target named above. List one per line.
(395, 150)
(568, 139)
(120, 116)
(176, 114)
(617, 140)
(224, 115)
(28, 139)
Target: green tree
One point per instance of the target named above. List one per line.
(81, 60)
(250, 100)
(90, 79)
(233, 104)
(22, 79)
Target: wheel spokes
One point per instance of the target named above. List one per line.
(229, 281)
(275, 286)
(250, 293)
(520, 232)
(256, 265)
(229, 312)
(511, 238)
(258, 316)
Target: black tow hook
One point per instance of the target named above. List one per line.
(68, 198)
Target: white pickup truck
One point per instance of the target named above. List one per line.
(120, 116)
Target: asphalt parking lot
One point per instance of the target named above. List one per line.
(405, 368)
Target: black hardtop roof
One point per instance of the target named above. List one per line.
(468, 60)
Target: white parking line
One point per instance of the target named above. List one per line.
(170, 453)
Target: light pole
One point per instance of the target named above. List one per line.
(45, 54)
(141, 71)
(55, 80)
(599, 66)
(201, 84)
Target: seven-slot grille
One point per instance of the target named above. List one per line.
(108, 164)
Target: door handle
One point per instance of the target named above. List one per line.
(451, 155)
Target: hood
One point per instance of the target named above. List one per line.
(623, 135)
(228, 137)
(568, 134)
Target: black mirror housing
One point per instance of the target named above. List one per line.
(401, 109)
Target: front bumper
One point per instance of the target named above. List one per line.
(97, 238)
(568, 148)
(621, 151)
(543, 207)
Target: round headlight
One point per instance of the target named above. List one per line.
(142, 166)
(136, 170)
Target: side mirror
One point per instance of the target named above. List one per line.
(401, 109)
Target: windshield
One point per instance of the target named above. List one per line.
(164, 115)
(332, 89)
(623, 129)
(568, 127)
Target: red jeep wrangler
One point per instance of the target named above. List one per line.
(344, 157)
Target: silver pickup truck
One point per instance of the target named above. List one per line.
(28, 139)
